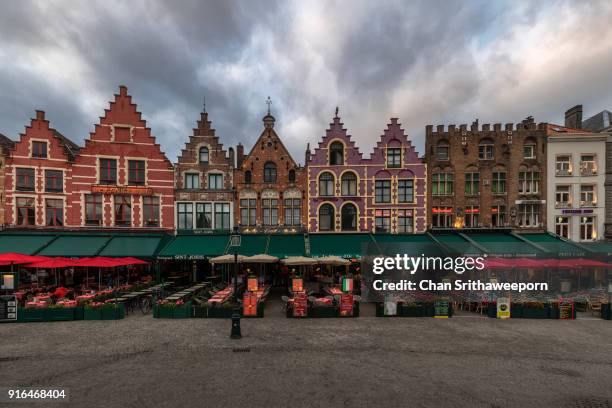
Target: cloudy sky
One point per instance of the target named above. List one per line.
(425, 62)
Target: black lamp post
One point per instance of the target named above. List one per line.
(235, 245)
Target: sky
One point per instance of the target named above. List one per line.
(424, 62)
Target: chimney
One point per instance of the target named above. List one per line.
(231, 157)
(40, 115)
(239, 155)
(307, 156)
(573, 117)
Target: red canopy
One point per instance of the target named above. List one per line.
(100, 262)
(134, 261)
(582, 263)
(497, 263)
(15, 258)
(526, 263)
(58, 262)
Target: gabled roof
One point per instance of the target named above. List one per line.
(553, 129)
(5, 143)
(599, 122)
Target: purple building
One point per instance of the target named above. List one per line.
(385, 193)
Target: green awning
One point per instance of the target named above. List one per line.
(252, 244)
(282, 246)
(343, 245)
(138, 246)
(603, 248)
(503, 245)
(27, 244)
(458, 245)
(555, 246)
(75, 245)
(411, 244)
(195, 247)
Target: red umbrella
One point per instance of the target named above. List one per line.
(16, 259)
(497, 263)
(100, 262)
(582, 263)
(134, 261)
(526, 263)
(58, 262)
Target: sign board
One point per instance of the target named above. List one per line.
(347, 285)
(8, 281)
(503, 308)
(300, 305)
(252, 284)
(441, 307)
(390, 306)
(346, 305)
(8, 308)
(249, 304)
(127, 190)
(297, 285)
(566, 310)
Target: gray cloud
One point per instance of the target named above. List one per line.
(424, 62)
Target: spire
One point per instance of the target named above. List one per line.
(337, 110)
(269, 102)
(269, 120)
(204, 103)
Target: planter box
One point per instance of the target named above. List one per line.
(105, 313)
(323, 311)
(606, 311)
(536, 313)
(418, 310)
(492, 310)
(49, 314)
(28, 315)
(172, 312)
(516, 311)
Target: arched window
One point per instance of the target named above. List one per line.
(349, 217)
(292, 176)
(349, 184)
(326, 184)
(204, 155)
(336, 154)
(326, 218)
(270, 172)
(248, 177)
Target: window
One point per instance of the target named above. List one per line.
(327, 218)
(587, 165)
(248, 177)
(123, 211)
(498, 184)
(222, 216)
(39, 150)
(248, 211)
(442, 217)
(498, 216)
(382, 219)
(25, 179)
(136, 172)
(405, 191)
(203, 155)
(529, 215)
(588, 231)
(471, 183)
(349, 217)
(472, 216)
(336, 154)
(184, 215)
(529, 151)
(326, 184)
(93, 209)
(529, 182)
(562, 197)
(349, 184)
(192, 180)
(293, 209)
(270, 211)
(405, 222)
(382, 193)
(563, 165)
(270, 173)
(562, 226)
(54, 181)
(442, 184)
(394, 157)
(25, 211)
(485, 151)
(54, 212)
(150, 211)
(292, 176)
(442, 152)
(204, 216)
(215, 181)
(108, 171)
(587, 195)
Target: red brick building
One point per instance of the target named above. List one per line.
(37, 177)
(204, 195)
(270, 186)
(6, 145)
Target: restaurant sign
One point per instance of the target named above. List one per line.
(128, 190)
(8, 308)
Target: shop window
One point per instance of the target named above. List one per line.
(498, 216)
(442, 217)
(472, 216)
(562, 226)
(588, 231)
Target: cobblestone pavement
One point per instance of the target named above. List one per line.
(466, 361)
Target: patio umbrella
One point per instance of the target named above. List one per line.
(261, 258)
(58, 262)
(299, 260)
(133, 261)
(226, 259)
(333, 260)
(14, 258)
(582, 263)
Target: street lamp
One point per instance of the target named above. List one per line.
(235, 241)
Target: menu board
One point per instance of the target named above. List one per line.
(346, 305)
(249, 304)
(297, 285)
(566, 310)
(252, 284)
(8, 281)
(300, 305)
(8, 308)
(441, 308)
(503, 308)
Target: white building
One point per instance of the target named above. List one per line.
(576, 183)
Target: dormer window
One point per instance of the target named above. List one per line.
(39, 150)
(203, 156)
(336, 154)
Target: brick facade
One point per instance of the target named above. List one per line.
(270, 186)
(204, 204)
(6, 145)
(342, 185)
(497, 176)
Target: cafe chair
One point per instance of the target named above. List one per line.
(285, 298)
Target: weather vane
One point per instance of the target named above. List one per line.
(269, 102)
(337, 111)
(204, 103)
